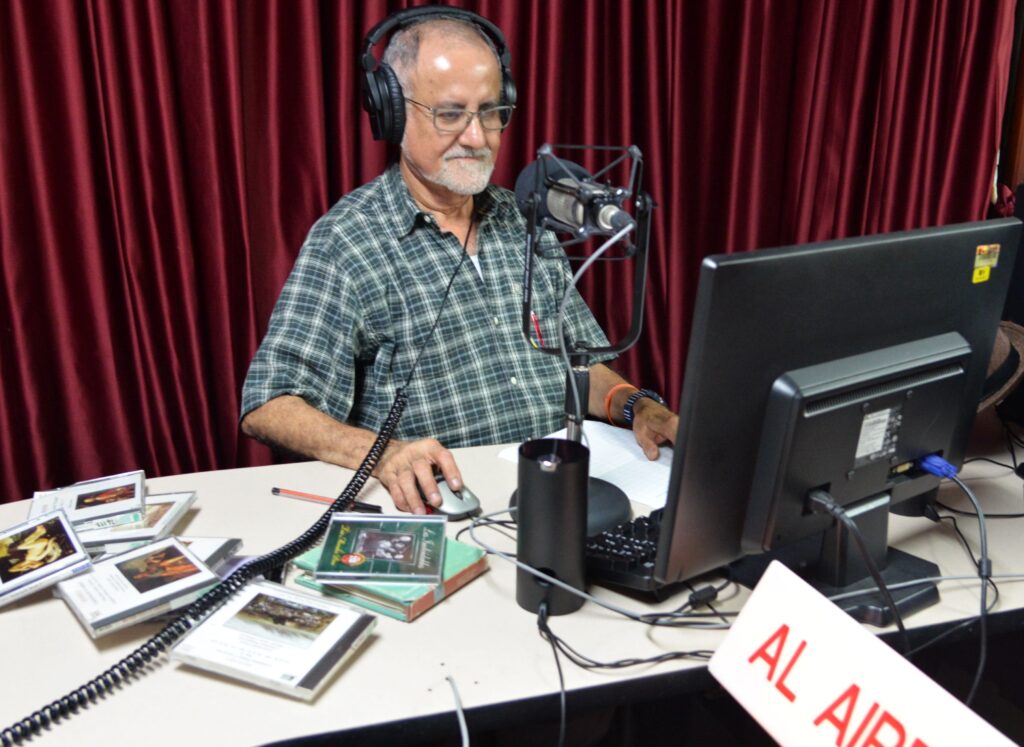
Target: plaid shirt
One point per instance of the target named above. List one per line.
(359, 304)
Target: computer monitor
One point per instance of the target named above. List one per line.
(832, 365)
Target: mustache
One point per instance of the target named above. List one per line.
(459, 152)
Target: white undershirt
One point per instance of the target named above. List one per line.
(475, 259)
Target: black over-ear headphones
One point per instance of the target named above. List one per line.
(382, 94)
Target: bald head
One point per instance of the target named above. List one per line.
(402, 54)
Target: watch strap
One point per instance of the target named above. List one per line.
(627, 409)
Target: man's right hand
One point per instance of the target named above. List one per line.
(290, 422)
(408, 464)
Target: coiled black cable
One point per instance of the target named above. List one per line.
(271, 564)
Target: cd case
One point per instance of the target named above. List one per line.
(38, 553)
(383, 549)
(278, 638)
(93, 499)
(462, 563)
(163, 512)
(135, 586)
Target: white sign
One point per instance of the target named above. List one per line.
(811, 675)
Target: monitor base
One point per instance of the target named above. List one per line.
(868, 608)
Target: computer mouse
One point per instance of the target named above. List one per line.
(455, 504)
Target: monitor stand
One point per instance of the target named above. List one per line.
(870, 609)
(831, 562)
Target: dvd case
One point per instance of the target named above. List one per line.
(38, 553)
(136, 586)
(278, 638)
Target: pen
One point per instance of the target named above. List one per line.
(536, 327)
(358, 506)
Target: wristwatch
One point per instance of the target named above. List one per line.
(627, 409)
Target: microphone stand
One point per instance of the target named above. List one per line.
(607, 505)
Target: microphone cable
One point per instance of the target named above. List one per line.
(578, 404)
(269, 565)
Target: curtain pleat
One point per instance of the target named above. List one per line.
(162, 160)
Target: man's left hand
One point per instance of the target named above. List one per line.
(653, 425)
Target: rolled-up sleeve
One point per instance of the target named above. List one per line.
(311, 343)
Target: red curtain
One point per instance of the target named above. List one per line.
(162, 161)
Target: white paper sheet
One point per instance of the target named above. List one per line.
(616, 457)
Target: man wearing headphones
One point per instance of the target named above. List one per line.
(412, 282)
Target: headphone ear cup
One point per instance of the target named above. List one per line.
(508, 91)
(384, 102)
(394, 104)
(373, 103)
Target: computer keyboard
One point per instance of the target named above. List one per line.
(624, 556)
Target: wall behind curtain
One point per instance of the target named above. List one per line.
(161, 162)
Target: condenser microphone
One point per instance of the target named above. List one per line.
(567, 194)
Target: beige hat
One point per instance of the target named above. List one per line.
(1006, 365)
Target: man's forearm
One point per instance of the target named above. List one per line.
(602, 380)
(291, 423)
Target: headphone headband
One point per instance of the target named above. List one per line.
(410, 16)
(382, 93)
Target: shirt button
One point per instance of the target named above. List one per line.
(514, 380)
(497, 321)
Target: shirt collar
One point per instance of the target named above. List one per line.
(404, 215)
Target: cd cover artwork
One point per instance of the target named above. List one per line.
(383, 549)
(282, 620)
(156, 569)
(38, 553)
(33, 548)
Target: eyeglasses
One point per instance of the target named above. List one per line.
(452, 119)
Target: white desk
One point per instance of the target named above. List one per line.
(480, 636)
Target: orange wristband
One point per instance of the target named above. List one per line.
(608, 400)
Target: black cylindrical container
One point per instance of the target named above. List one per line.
(551, 513)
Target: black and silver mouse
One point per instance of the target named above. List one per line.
(455, 504)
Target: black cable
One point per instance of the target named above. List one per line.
(546, 634)
(131, 665)
(585, 662)
(963, 539)
(990, 461)
(444, 302)
(492, 523)
(974, 561)
(972, 514)
(984, 567)
(821, 500)
(963, 624)
(705, 595)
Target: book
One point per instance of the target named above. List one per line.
(282, 639)
(93, 499)
(462, 563)
(163, 511)
(382, 549)
(37, 553)
(136, 586)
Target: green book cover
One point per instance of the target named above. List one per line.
(462, 563)
(383, 549)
